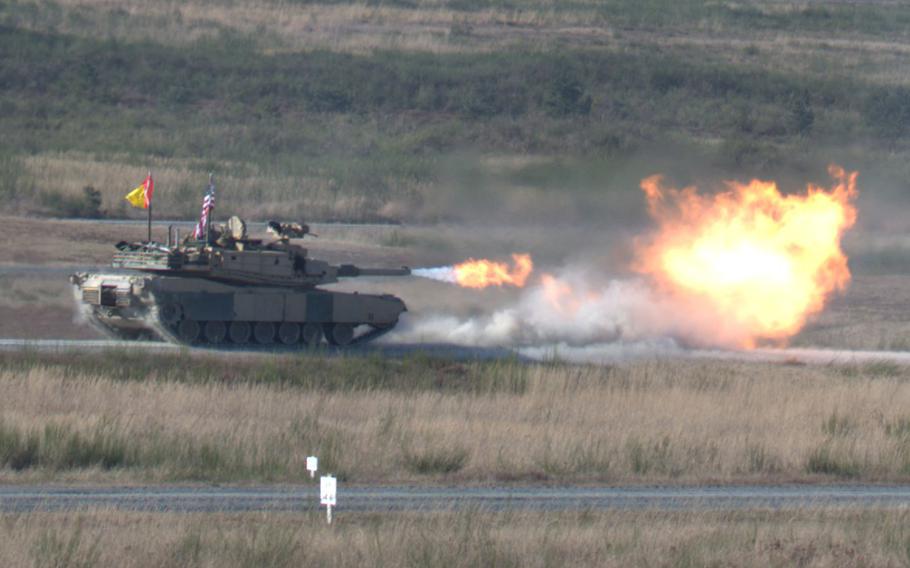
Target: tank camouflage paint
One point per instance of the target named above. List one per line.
(233, 290)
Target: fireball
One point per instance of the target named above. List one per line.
(482, 273)
(761, 260)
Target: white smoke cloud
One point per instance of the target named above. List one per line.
(599, 311)
(598, 353)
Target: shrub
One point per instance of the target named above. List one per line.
(87, 205)
(435, 460)
(887, 111)
(826, 461)
(836, 425)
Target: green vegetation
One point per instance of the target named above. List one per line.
(328, 130)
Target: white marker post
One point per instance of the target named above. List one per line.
(327, 494)
(312, 464)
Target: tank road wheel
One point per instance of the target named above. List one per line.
(170, 313)
(340, 334)
(312, 333)
(264, 332)
(239, 332)
(188, 330)
(215, 332)
(289, 333)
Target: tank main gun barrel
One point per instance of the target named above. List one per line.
(351, 271)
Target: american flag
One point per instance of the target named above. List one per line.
(208, 203)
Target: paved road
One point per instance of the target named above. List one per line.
(596, 354)
(22, 499)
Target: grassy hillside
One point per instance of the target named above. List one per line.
(406, 110)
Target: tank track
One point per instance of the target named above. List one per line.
(170, 332)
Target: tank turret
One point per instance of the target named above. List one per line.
(232, 257)
(231, 289)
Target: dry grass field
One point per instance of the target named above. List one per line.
(809, 538)
(122, 417)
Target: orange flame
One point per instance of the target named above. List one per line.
(563, 297)
(482, 273)
(560, 294)
(760, 260)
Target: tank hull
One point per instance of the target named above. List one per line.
(196, 311)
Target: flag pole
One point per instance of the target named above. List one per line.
(208, 217)
(147, 183)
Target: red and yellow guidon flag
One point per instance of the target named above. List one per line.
(141, 197)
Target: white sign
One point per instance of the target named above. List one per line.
(327, 488)
(312, 464)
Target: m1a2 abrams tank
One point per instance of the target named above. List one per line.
(230, 289)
